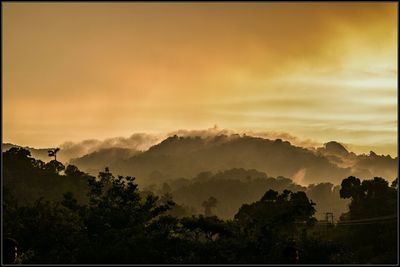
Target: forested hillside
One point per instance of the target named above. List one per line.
(59, 214)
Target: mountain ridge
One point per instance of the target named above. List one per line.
(186, 156)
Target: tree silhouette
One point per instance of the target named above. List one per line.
(372, 218)
(54, 166)
(208, 205)
(395, 183)
(117, 224)
(351, 188)
(53, 153)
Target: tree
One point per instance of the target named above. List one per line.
(370, 198)
(270, 195)
(72, 170)
(53, 153)
(208, 205)
(54, 166)
(272, 222)
(50, 232)
(351, 188)
(30, 179)
(18, 159)
(119, 217)
(370, 235)
(395, 183)
(204, 228)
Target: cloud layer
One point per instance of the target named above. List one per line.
(320, 71)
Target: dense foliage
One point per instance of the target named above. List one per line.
(78, 218)
(234, 187)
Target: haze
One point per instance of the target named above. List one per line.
(319, 71)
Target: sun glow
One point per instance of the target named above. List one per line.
(150, 67)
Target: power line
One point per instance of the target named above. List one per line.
(370, 222)
(363, 223)
(370, 219)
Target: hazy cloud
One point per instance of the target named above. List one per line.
(153, 67)
(137, 141)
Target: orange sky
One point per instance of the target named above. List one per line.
(320, 71)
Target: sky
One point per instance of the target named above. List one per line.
(317, 71)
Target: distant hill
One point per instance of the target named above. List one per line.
(232, 188)
(365, 166)
(236, 169)
(98, 160)
(185, 157)
(37, 153)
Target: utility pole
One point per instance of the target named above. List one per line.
(328, 220)
(329, 217)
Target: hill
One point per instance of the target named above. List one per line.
(178, 156)
(37, 153)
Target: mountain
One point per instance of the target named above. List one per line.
(335, 148)
(363, 165)
(37, 153)
(234, 187)
(98, 160)
(185, 157)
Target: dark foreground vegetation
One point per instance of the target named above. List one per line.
(107, 219)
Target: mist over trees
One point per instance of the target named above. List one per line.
(230, 188)
(60, 214)
(234, 187)
(186, 156)
(241, 165)
(29, 179)
(188, 153)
